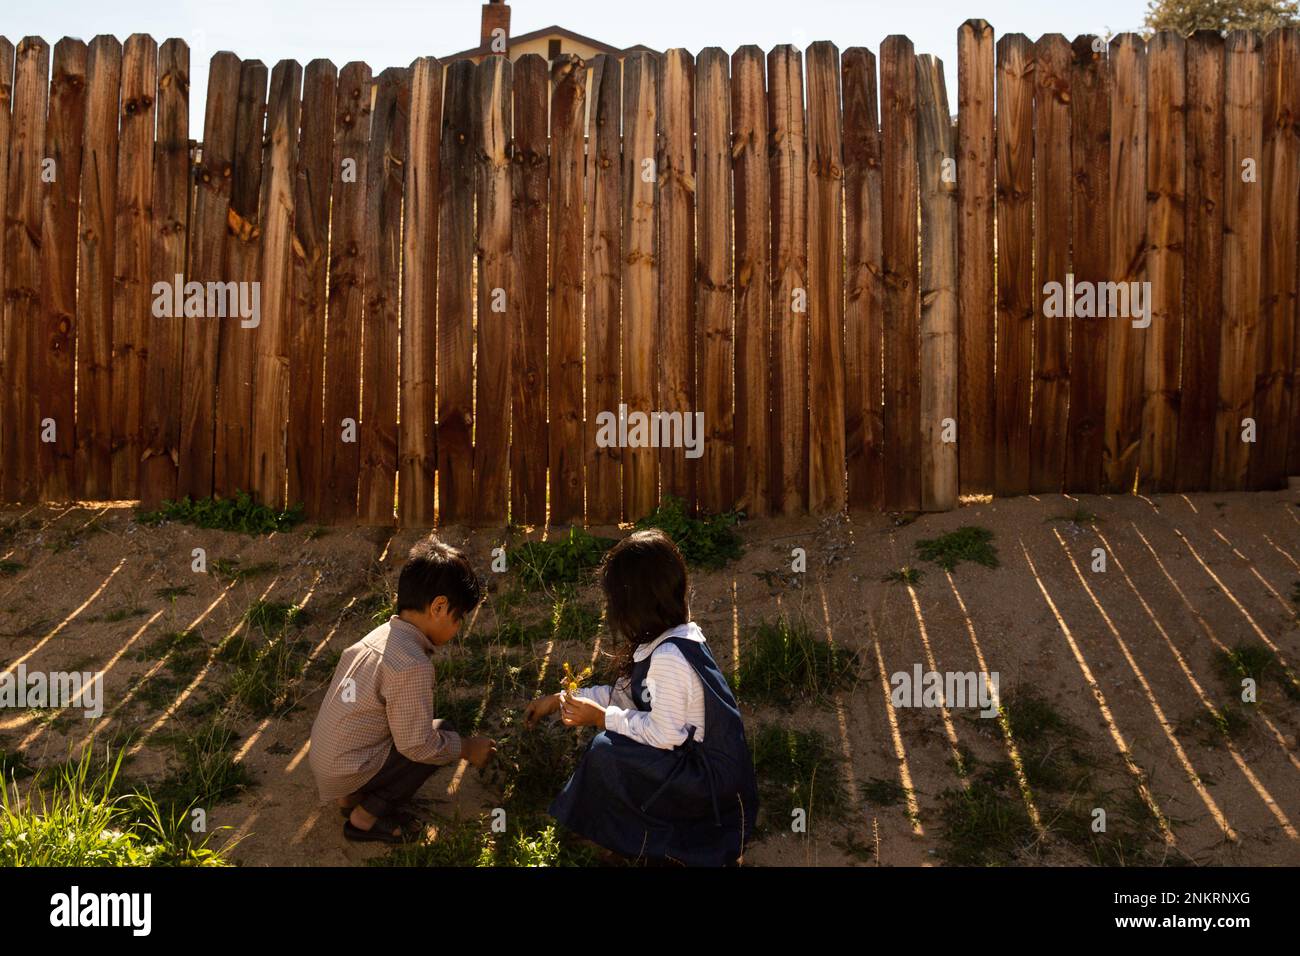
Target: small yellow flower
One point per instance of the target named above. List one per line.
(573, 681)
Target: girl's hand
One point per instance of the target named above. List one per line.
(541, 707)
(580, 712)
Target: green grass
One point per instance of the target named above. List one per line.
(1256, 662)
(796, 769)
(879, 792)
(172, 593)
(557, 562)
(904, 575)
(709, 541)
(123, 613)
(73, 818)
(528, 841)
(205, 772)
(968, 543)
(238, 513)
(267, 681)
(1079, 516)
(273, 617)
(781, 663)
(532, 766)
(9, 568)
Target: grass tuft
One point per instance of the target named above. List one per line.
(238, 513)
(783, 664)
(969, 543)
(560, 561)
(709, 541)
(796, 769)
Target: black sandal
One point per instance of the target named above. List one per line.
(381, 832)
(403, 817)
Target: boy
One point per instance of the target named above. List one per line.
(375, 740)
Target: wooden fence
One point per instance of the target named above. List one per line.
(458, 272)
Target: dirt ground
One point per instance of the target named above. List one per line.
(1127, 655)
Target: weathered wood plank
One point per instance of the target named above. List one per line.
(864, 283)
(417, 469)
(237, 364)
(132, 248)
(715, 352)
(310, 267)
(1199, 396)
(1125, 340)
(827, 491)
(976, 164)
(1166, 196)
(382, 249)
(604, 271)
(6, 117)
(213, 175)
(1090, 249)
(340, 450)
(1280, 180)
(56, 371)
(455, 299)
(564, 377)
(1051, 382)
(531, 190)
(789, 217)
(268, 440)
(938, 194)
(1015, 266)
(22, 279)
(676, 345)
(640, 273)
(1242, 215)
(493, 120)
(752, 280)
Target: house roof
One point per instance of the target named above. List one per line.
(552, 31)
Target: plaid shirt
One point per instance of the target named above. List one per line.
(381, 697)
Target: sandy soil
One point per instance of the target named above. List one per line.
(1127, 655)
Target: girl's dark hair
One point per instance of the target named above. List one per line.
(432, 570)
(644, 580)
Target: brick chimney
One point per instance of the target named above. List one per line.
(496, 16)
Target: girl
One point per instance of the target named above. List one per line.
(669, 777)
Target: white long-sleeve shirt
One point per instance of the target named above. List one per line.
(676, 695)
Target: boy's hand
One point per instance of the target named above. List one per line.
(478, 750)
(580, 712)
(539, 708)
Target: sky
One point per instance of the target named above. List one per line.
(394, 32)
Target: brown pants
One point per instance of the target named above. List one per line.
(395, 783)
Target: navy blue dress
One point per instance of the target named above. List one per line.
(694, 804)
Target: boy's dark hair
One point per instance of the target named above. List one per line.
(432, 570)
(644, 580)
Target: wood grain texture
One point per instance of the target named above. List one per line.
(789, 217)
(1242, 215)
(6, 116)
(676, 342)
(564, 353)
(169, 235)
(1051, 382)
(417, 452)
(827, 489)
(1015, 266)
(1166, 231)
(232, 469)
(1090, 252)
(530, 185)
(938, 193)
(1125, 342)
(310, 275)
(382, 249)
(493, 108)
(213, 175)
(864, 283)
(132, 247)
(900, 229)
(1203, 308)
(715, 351)
(268, 440)
(751, 280)
(640, 273)
(55, 382)
(1279, 175)
(346, 296)
(455, 298)
(976, 300)
(22, 320)
(604, 184)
